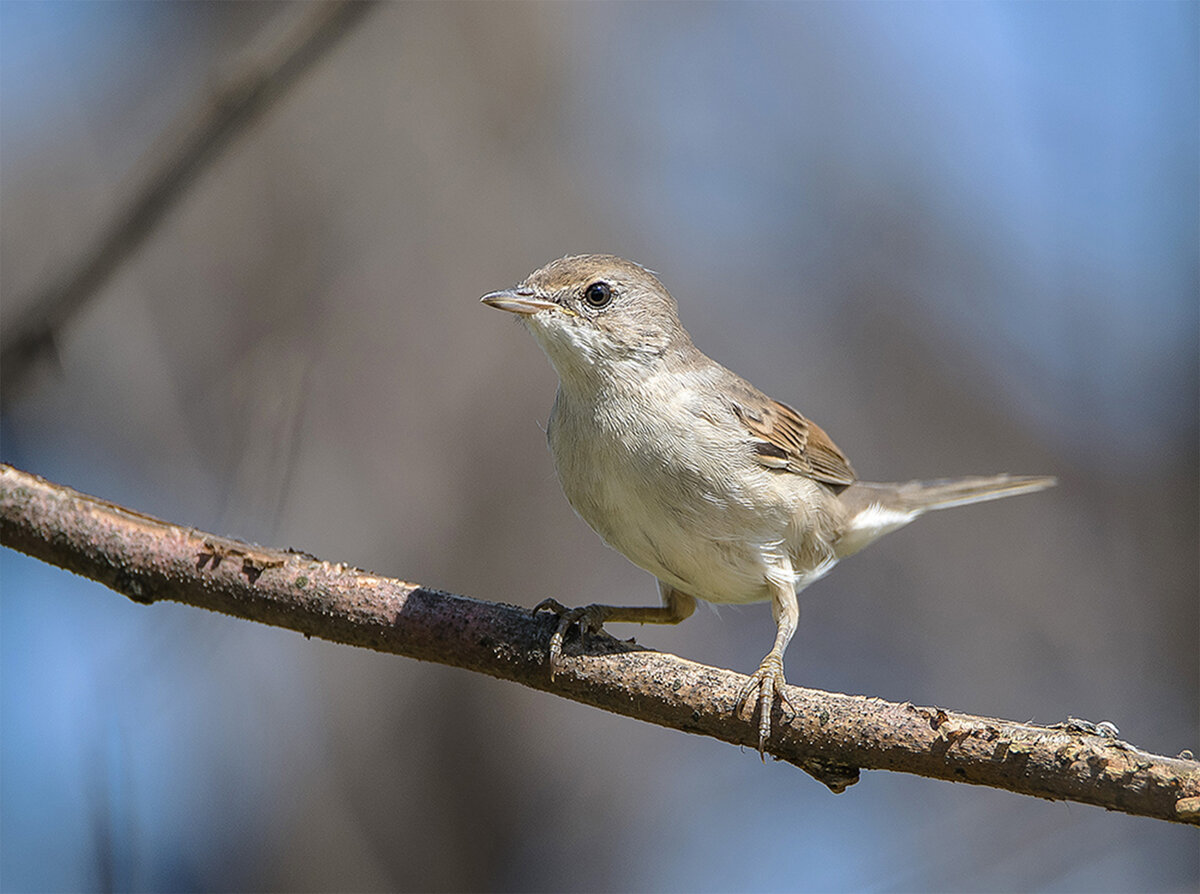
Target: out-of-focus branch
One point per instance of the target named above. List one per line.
(830, 736)
(186, 148)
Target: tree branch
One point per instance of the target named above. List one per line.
(831, 736)
(243, 94)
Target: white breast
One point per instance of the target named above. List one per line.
(649, 487)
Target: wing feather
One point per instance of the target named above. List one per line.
(782, 439)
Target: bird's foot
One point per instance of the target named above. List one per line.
(590, 619)
(765, 683)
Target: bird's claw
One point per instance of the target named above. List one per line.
(590, 618)
(766, 683)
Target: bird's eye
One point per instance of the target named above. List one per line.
(598, 295)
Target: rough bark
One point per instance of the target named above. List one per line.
(831, 736)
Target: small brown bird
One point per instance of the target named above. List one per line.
(691, 472)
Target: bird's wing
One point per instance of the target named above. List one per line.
(783, 439)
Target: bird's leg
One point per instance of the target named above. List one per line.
(768, 681)
(676, 606)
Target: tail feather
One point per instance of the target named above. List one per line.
(875, 509)
(923, 496)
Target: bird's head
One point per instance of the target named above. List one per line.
(595, 315)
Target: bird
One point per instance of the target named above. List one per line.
(720, 492)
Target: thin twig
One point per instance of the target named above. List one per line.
(830, 736)
(182, 154)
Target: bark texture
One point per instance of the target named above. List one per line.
(830, 736)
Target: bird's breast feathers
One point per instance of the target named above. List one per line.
(658, 489)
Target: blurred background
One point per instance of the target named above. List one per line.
(962, 237)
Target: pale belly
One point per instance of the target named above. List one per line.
(717, 544)
(696, 557)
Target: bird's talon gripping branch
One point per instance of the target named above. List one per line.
(549, 604)
(762, 687)
(590, 618)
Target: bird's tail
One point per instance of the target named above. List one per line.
(876, 509)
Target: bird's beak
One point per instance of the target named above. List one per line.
(518, 301)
